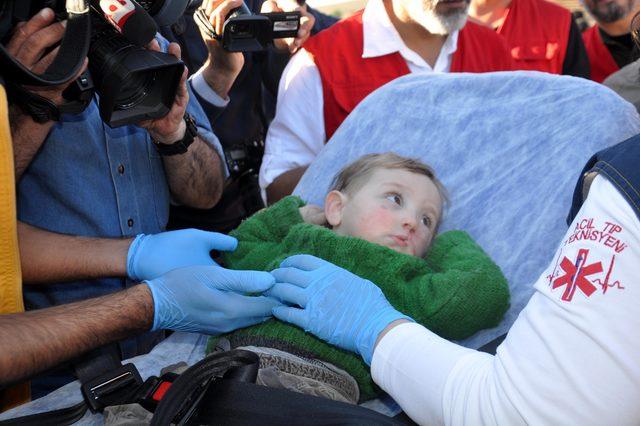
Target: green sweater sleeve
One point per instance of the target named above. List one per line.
(260, 237)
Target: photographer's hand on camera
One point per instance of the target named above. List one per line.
(307, 20)
(195, 177)
(171, 127)
(30, 45)
(222, 67)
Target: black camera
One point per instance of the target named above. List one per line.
(133, 83)
(245, 32)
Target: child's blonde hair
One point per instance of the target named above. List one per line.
(352, 177)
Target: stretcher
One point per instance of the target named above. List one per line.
(509, 148)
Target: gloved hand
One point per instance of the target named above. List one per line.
(151, 256)
(337, 306)
(210, 299)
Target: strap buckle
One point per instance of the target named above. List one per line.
(154, 389)
(119, 386)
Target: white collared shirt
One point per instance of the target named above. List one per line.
(297, 133)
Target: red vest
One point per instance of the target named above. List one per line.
(347, 77)
(537, 33)
(600, 59)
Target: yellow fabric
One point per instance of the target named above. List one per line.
(10, 275)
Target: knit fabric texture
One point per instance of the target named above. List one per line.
(455, 291)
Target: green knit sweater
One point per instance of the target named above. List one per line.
(455, 291)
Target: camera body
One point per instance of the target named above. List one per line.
(245, 32)
(133, 83)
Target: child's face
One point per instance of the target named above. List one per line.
(394, 208)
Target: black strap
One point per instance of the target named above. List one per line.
(232, 403)
(185, 394)
(70, 58)
(181, 400)
(97, 362)
(87, 368)
(61, 417)
(221, 389)
(105, 381)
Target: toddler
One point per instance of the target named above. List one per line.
(379, 221)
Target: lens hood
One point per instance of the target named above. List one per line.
(136, 85)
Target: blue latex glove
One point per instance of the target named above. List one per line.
(338, 306)
(150, 256)
(210, 299)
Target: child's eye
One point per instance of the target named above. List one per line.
(396, 198)
(426, 221)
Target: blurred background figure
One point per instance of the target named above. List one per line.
(626, 81)
(609, 43)
(542, 36)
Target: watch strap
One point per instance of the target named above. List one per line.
(181, 146)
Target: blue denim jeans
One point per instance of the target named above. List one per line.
(620, 164)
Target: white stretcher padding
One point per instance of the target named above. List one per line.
(509, 147)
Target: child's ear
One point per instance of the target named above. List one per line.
(333, 205)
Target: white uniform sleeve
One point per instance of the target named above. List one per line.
(571, 357)
(296, 134)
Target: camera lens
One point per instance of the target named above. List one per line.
(134, 90)
(241, 29)
(134, 83)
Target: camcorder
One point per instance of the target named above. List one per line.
(133, 83)
(244, 31)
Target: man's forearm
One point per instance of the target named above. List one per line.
(284, 184)
(196, 177)
(219, 80)
(48, 257)
(28, 136)
(37, 340)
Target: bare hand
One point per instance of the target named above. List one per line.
(171, 127)
(29, 44)
(307, 20)
(222, 67)
(313, 214)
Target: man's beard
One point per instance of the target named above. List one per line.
(608, 13)
(441, 24)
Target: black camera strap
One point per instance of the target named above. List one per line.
(70, 58)
(42, 109)
(201, 19)
(68, 62)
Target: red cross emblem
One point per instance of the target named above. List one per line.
(575, 276)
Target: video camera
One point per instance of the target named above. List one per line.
(245, 32)
(133, 83)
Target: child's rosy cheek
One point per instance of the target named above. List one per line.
(378, 217)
